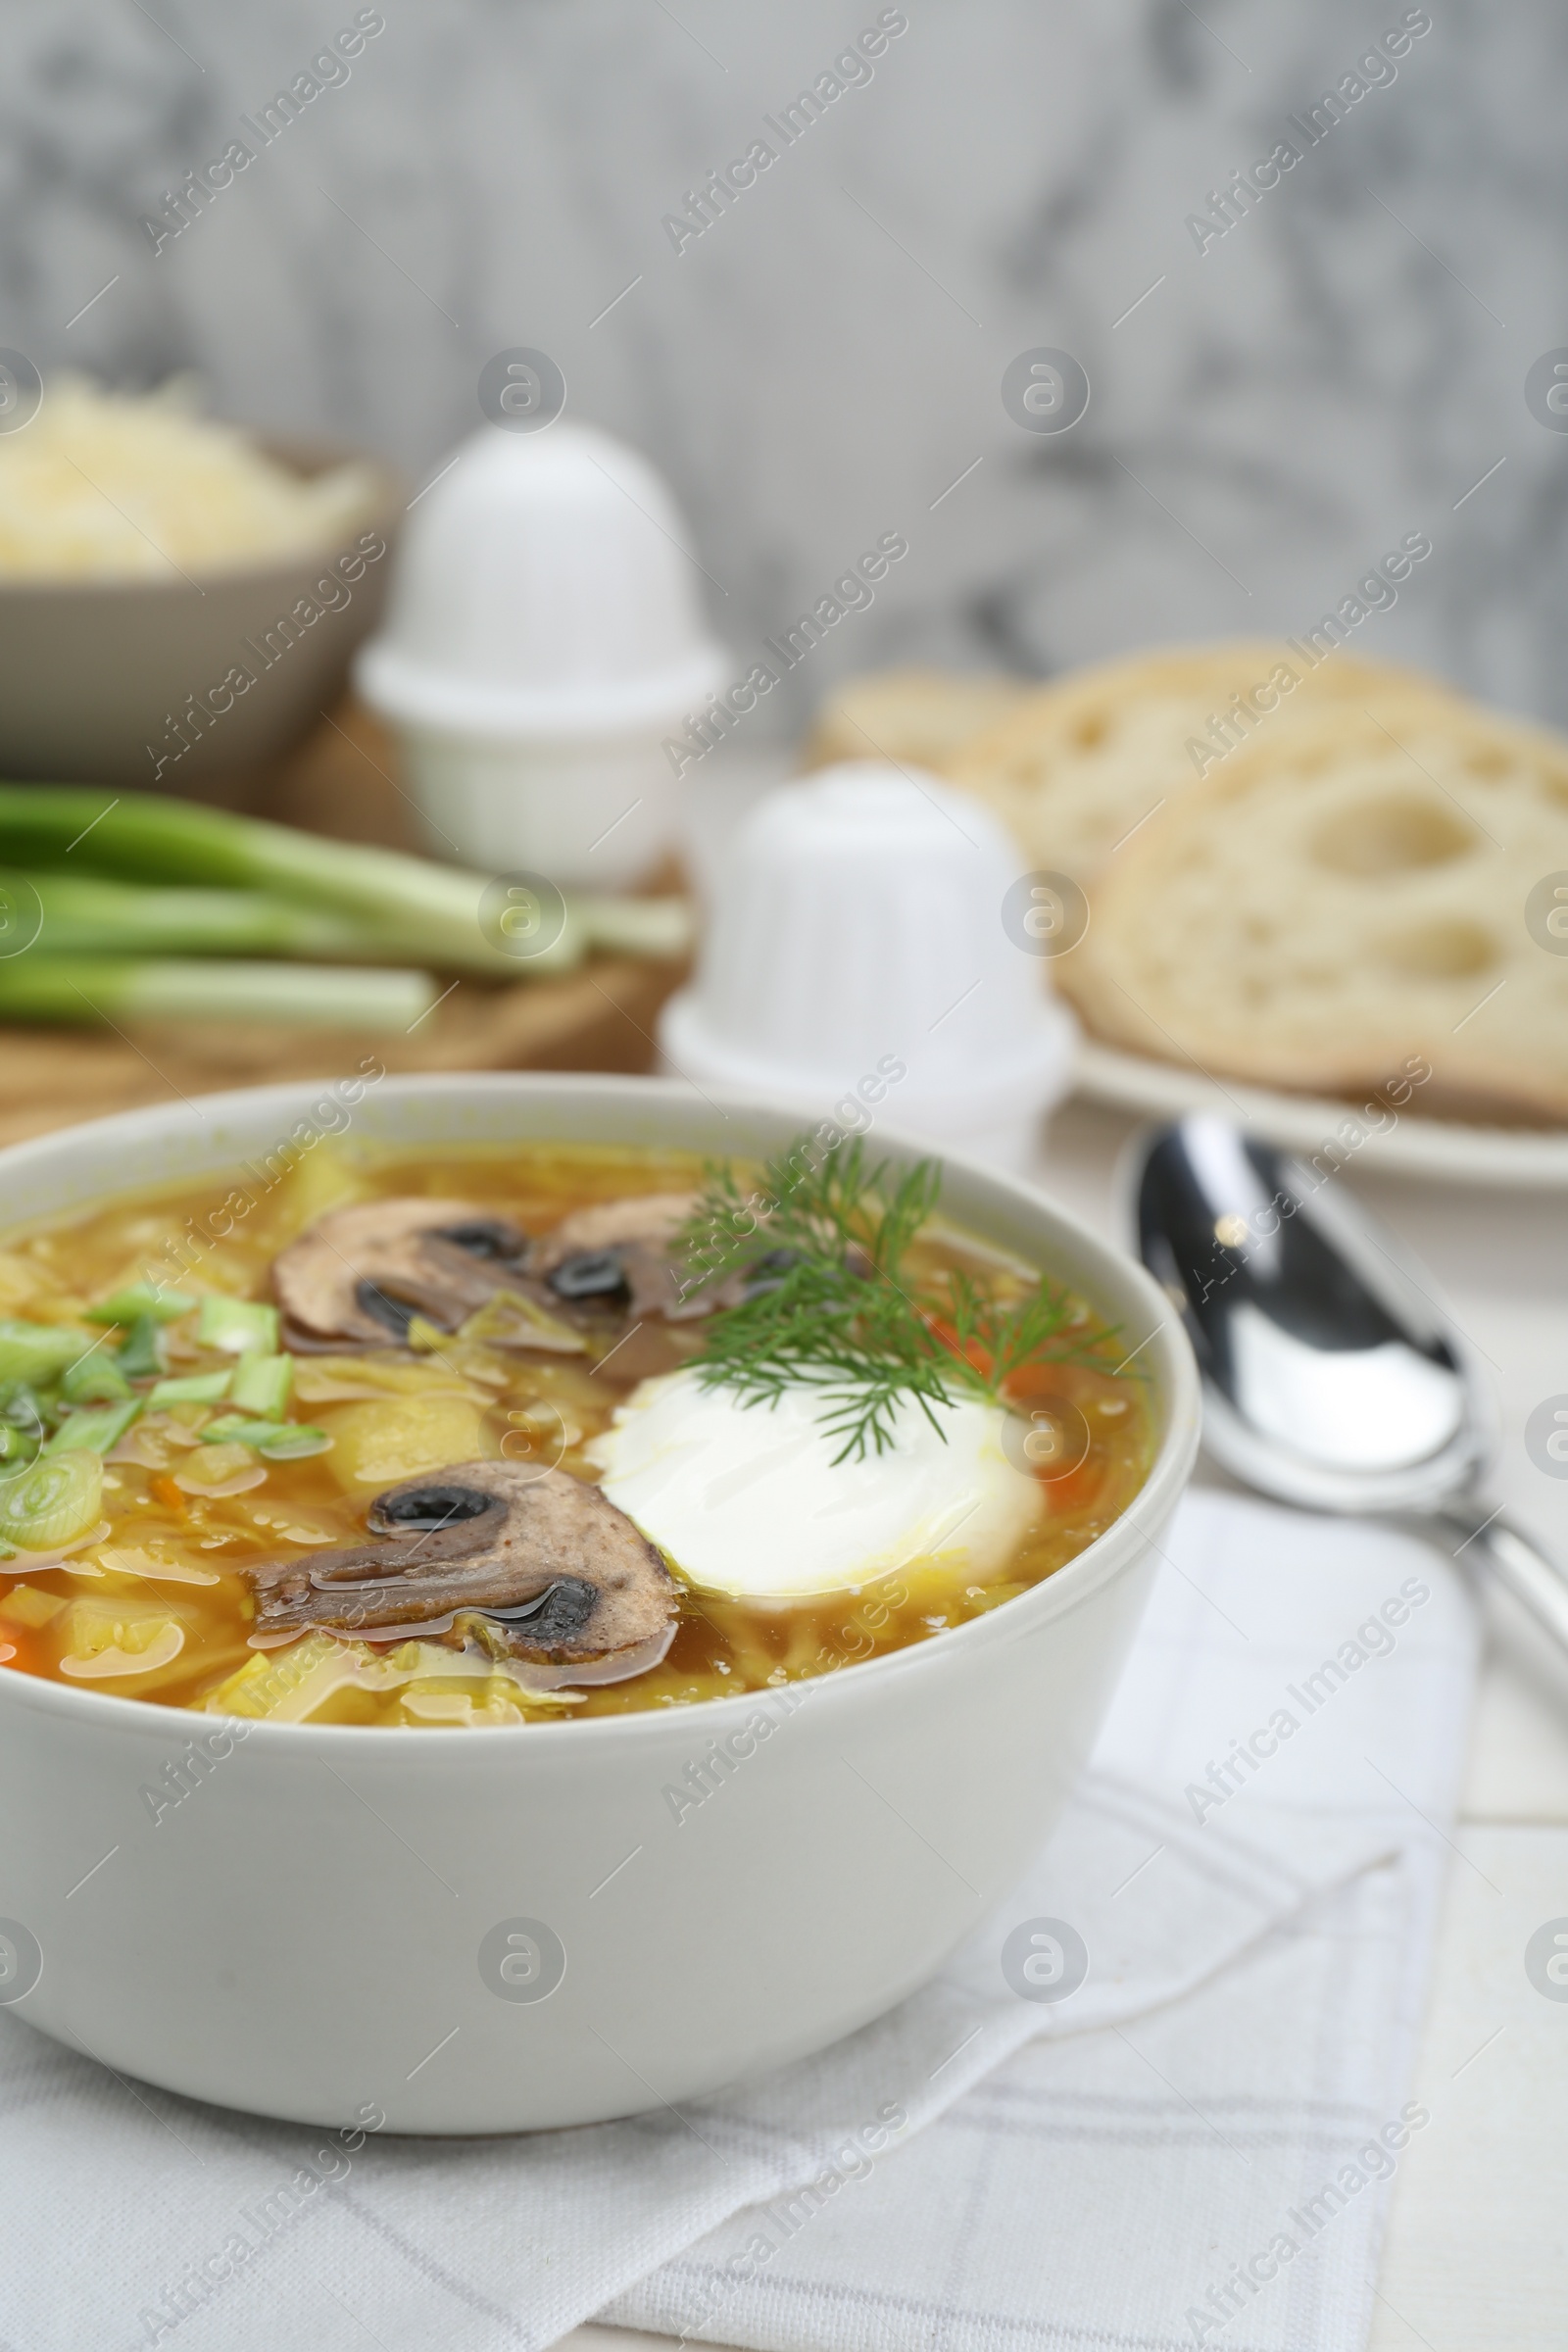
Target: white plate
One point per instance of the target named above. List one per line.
(1521, 1158)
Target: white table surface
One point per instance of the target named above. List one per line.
(1476, 2258)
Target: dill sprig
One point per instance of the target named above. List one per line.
(830, 1302)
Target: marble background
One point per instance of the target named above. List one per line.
(821, 366)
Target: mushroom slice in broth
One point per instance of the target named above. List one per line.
(619, 1255)
(558, 1575)
(625, 1255)
(363, 1273)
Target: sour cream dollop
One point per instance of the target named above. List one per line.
(748, 1499)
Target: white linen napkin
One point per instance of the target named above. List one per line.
(1154, 2102)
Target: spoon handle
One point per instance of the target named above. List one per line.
(1507, 1551)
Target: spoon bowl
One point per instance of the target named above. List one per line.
(1332, 1376)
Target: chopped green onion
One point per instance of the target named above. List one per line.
(128, 1306)
(23, 1408)
(240, 1326)
(262, 1384)
(422, 908)
(278, 1440)
(97, 1429)
(192, 1388)
(84, 989)
(39, 1352)
(143, 1352)
(229, 1428)
(15, 1444)
(289, 1441)
(53, 1499)
(93, 1380)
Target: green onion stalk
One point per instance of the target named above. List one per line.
(88, 915)
(415, 907)
(110, 990)
(211, 882)
(91, 914)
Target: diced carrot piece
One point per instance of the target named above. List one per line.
(974, 1354)
(1077, 1489)
(1039, 1382)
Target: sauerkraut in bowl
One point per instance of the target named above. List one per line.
(105, 486)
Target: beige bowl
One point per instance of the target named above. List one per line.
(189, 688)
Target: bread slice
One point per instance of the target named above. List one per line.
(921, 716)
(1081, 764)
(1344, 899)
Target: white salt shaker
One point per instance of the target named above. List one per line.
(859, 955)
(544, 637)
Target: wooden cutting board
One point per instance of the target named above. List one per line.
(342, 781)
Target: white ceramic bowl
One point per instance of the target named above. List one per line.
(322, 1922)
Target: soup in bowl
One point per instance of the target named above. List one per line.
(757, 1517)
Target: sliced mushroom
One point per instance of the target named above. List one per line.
(620, 1256)
(549, 1561)
(363, 1273)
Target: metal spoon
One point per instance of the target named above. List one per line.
(1330, 1377)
